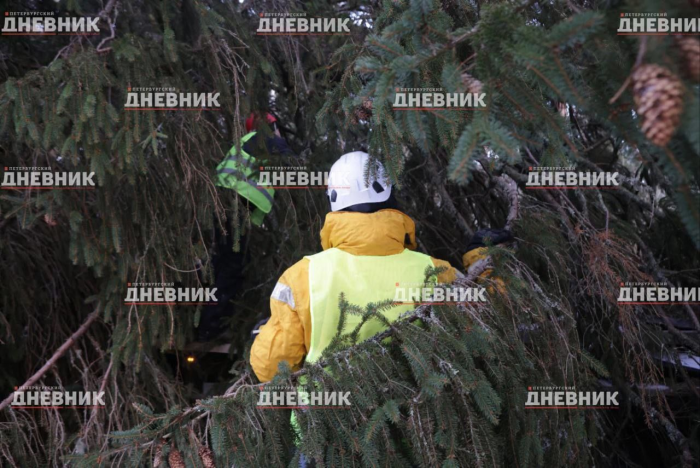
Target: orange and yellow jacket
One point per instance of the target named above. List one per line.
(287, 335)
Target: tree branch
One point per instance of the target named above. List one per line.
(510, 190)
(59, 352)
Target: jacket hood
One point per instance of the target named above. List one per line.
(384, 232)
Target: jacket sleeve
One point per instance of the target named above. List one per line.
(477, 250)
(447, 276)
(281, 338)
(473, 256)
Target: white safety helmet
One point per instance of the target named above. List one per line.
(346, 182)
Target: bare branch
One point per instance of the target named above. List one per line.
(59, 352)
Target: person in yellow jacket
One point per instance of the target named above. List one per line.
(368, 250)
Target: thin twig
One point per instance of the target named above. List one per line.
(112, 25)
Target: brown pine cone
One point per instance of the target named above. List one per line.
(363, 114)
(690, 51)
(473, 85)
(207, 457)
(658, 96)
(175, 458)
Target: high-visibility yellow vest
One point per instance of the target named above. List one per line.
(363, 279)
(238, 173)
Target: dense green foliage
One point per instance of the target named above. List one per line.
(448, 393)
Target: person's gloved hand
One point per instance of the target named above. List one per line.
(476, 250)
(489, 237)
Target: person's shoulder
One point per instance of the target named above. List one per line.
(297, 273)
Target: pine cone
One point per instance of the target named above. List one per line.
(206, 456)
(690, 50)
(175, 458)
(363, 112)
(473, 85)
(658, 95)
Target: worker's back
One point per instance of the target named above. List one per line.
(368, 251)
(363, 279)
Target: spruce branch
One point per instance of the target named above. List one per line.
(674, 435)
(246, 381)
(411, 316)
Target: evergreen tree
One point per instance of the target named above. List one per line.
(562, 89)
